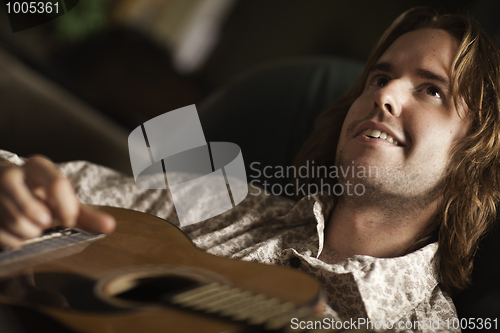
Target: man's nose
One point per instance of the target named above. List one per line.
(390, 98)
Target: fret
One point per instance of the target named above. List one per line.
(53, 239)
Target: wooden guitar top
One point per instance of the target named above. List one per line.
(123, 282)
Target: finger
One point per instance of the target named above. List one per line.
(13, 185)
(95, 221)
(14, 222)
(54, 189)
(8, 240)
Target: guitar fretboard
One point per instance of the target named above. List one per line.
(52, 239)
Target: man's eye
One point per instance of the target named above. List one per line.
(381, 81)
(433, 91)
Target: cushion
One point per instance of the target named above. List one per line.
(270, 111)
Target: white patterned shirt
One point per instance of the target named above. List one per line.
(402, 292)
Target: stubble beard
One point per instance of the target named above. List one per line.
(393, 192)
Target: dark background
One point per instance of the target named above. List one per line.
(124, 72)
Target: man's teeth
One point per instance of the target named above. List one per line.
(380, 135)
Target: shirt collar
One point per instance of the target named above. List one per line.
(383, 283)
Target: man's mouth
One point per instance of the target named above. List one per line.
(376, 134)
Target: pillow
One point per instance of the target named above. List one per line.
(270, 111)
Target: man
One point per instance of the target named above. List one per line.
(422, 114)
(455, 184)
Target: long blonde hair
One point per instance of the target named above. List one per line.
(472, 186)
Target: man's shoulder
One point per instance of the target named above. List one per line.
(437, 313)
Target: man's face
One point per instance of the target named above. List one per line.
(407, 97)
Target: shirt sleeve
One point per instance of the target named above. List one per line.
(10, 157)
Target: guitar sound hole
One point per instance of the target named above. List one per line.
(157, 288)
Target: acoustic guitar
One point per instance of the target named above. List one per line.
(148, 277)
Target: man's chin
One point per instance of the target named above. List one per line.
(390, 194)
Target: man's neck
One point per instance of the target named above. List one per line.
(372, 232)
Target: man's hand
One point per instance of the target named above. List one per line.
(35, 195)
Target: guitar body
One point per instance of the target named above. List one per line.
(124, 282)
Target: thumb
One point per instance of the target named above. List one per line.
(95, 221)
